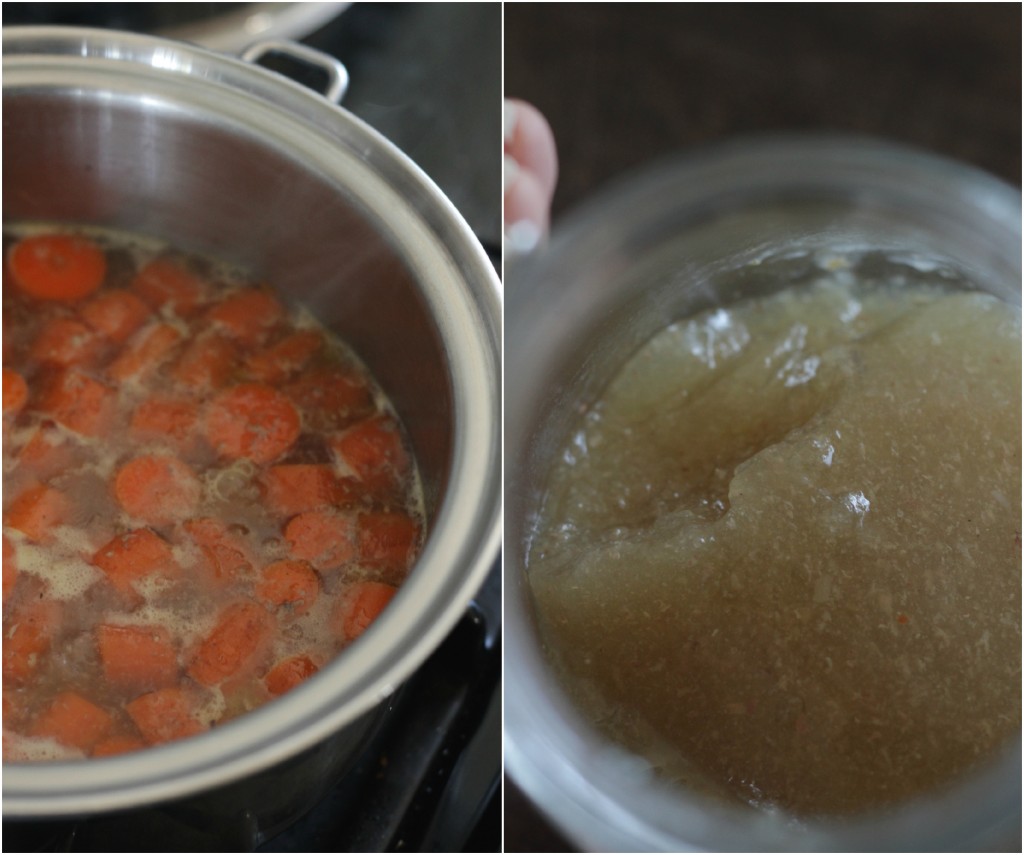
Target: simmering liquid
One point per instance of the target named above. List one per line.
(780, 556)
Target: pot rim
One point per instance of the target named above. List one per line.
(438, 246)
(599, 794)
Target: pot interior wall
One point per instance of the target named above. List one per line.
(157, 168)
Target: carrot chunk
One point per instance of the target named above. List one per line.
(28, 635)
(360, 606)
(167, 282)
(284, 358)
(10, 569)
(142, 658)
(253, 421)
(207, 363)
(46, 452)
(226, 558)
(57, 266)
(165, 715)
(144, 353)
(159, 489)
(74, 721)
(387, 539)
(117, 744)
(65, 341)
(373, 451)
(330, 398)
(170, 420)
(288, 673)
(290, 584)
(292, 488)
(37, 511)
(78, 402)
(15, 391)
(115, 314)
(239, 640)
(323, 538)
(247, 315)
(133, 556)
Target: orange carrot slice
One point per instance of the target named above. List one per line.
(73, 721)
(169, 420)
(115, 314)
(141, 658)
(167, 282)
(226, 557)
(387, 539)
(37, 511)
(247, 315)
(65, 341)
(157, 488)
(323, 538)
(292, 488)
(15, 391)
(207, 363)
(360, 606)
(373, 451)
(78, 402)
(253, 421)
(285, 357)
(28, 635)
(240, 639)
(133, 556)
(292, 585)
(166, 714)
(57, 266)
(288, 673)
(330, 398)
(147, 350)
(117, 744)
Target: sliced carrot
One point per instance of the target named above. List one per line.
(74, 721)
(141, 658)
(78, 402)
(226, 558)
(323, 538)
(293, 585)
(288, 673)
(46, 452)
(166, 714)
(37, 511)
(207, 363)
(331, 398)
(29, 633)
(360, 606)
(292, 488)
(15, 391)
(240, 639)
(10, 569)
(157, 488)
(65, 341)
(387, 539)
(284, 358)
(146, 351)
(167, 282)
(57, 266)
(247, 315)
(115, 314)
(253, 421)
(170, 420)
(373, 451)
(135, 555)
(121, 743)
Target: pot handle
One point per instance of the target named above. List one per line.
(337, 74)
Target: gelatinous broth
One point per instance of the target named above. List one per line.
(780, 556)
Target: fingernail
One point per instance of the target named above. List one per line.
(510, 119)
(522, 237)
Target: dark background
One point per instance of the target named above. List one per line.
(622, 84)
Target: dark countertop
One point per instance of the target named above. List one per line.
(623, 84)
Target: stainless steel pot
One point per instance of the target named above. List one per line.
(695, 232)
(223, 158)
